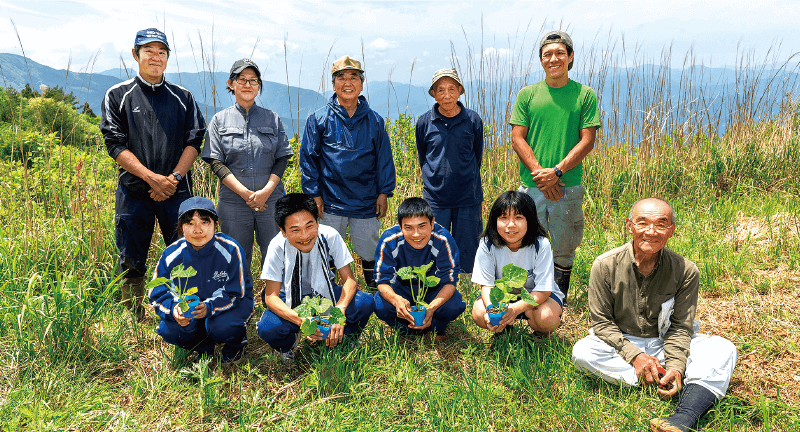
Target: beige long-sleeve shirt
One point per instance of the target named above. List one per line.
(623, 301)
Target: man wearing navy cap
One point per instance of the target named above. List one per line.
(154, 130)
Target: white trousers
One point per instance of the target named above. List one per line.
(710, 364)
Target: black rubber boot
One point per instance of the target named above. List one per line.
(132, 296)
(561, 275)
(368, 267)
(695, 401)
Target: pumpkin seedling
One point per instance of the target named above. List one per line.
(506, 290)
(424, 283)
(188, 299)
(319, 313)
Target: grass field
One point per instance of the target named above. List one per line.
(72, 359)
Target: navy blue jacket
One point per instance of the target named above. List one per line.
(154, 122)
(394, 253)
(221, 280)
(347, 160)
(450, 150)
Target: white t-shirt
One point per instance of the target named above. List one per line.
(489, 262)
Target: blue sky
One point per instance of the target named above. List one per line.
(395, 35)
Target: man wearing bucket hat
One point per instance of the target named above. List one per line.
(224, 290)
(554, 124)
(153, 129)
(450, 148)
(346, 162)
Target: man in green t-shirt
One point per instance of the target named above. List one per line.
(554, 124)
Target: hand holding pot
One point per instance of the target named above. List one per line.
(401, 307)
(507, 320)
(425, 323)
(335, 336)
(183, 321)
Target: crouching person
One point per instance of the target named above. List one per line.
(642, 301)
(223, 287)
(417, 240)
(298, 264)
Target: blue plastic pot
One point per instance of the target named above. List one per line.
(192, 301)
(325, 330)
(418, 312)
(494, 318)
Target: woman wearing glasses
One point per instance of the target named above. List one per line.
(247, 148)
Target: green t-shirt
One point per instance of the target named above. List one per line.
(554, 117)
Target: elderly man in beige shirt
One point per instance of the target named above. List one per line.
(642, 301)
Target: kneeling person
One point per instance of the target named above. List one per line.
(642, 301)
(297, 265)
(222, 281)
(417, 240)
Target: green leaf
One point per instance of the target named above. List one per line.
(406, 273)
(183, 306)
(323, 305)
(431, 281)
(190, 291)
(337, 316)
(305, 310)
(501, 285)
(515, 276)
(496, 295)
(180, 272)
(156, 282)
(528, 298)
(308, 327)
(422, 270)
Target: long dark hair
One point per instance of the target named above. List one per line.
(520, 203)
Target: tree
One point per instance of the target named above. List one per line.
(28, 92)
(57, 94)
(88, 110)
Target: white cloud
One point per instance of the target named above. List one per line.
(381, 44)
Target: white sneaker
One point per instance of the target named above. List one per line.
(287, 357)
(358, 343)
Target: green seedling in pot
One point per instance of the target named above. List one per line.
(188, 299)
(318, 312)
(506, 290)
(424, 283)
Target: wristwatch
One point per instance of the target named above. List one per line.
(180, 177)
(558, 171)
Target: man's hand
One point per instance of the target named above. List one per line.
(548, 182)
(335, 336)
(258, 199)
(401, 307)
(673, 380)
(646, 367)
(162, 186)
(426, 322)
(381, 206)
(320, 206)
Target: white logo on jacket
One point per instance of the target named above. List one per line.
(220, 275)
(136, 109)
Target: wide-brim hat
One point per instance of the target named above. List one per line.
(557, 36)
(442, 73)
(346, 63)
(243, 64)
(197, 203)
(150, 35)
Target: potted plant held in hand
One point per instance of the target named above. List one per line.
(424, 282)
(188, 299)
(318, 313)
(503, 292)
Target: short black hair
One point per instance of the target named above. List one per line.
(520, 203)
(187, 217)
(294, 203)
(341, 72)
(414, 206)
(234, 76)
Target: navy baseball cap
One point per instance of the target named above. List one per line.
(243, 64)
(150, 35)
(197, 203)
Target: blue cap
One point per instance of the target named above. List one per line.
(197, 203)
(150, 35)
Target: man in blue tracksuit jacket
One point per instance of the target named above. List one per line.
(153, 129)
(222, 280)
(346, 162)
(417, 240)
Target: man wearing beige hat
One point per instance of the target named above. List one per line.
(554, 124)
(346, 163)
(450, 148)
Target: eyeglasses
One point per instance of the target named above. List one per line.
(659, 227)
(253, 82)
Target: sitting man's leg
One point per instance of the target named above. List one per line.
(598, 358)
(230, 328)
(279, 333)
(387, 313)
(358, 311)
(193, 337)
(708, 374)
(448, 312)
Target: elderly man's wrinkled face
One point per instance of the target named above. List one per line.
(651, 226)
(446, 93)
(347, 87)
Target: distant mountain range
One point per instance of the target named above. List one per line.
(291, 103)
(648, 85)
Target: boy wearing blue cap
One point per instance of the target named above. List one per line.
(224, 290)
(153, 129)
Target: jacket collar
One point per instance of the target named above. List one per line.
(436, 115)
(146, 84)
